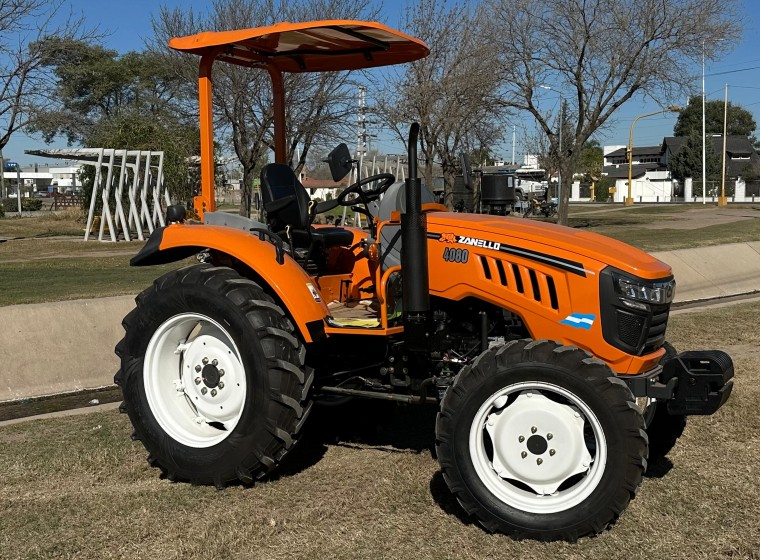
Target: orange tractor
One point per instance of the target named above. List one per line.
(543, 346)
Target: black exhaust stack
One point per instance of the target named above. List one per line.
(414, 256)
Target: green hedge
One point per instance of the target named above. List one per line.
(27, 204)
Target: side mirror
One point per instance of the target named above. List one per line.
(340, 162)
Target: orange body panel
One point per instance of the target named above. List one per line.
(514, 265)
(288, 280)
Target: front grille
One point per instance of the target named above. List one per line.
(657, 325)
(630, 327)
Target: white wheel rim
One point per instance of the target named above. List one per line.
(537, 447)
(194, 380)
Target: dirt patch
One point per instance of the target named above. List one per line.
(701, 217)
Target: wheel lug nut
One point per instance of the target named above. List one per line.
(198, 369)
(524, 454)
(221, 373)
(221, 385)
(204, 391)
(521, 439)
(552, 452)
(539, 461)
(205, 361)
(214, 362)
(213, 392)
(549, 436)
(533, 430)
(197, 380)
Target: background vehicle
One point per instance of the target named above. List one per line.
(544, 347)
(542, 206)
(498, 194)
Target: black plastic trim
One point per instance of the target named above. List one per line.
(654, 320)
(316, 329)
(151, 253)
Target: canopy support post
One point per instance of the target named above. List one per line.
(205, 202)
(278, 93)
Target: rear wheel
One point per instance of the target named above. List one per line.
(539, 440)
(212, 377)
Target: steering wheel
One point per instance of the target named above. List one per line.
(366, 196)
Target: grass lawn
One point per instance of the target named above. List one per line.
(363, 484)
(74, 278)
(69, 222)
(662, 239)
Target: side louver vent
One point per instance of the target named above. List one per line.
(528, 282)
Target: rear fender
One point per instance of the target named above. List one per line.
(292, 285)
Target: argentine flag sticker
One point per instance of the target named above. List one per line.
(579, 320)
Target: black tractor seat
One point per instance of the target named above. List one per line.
(290, 210)
(325, 236)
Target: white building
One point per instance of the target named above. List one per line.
(651, 179)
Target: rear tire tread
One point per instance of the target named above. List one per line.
(284, 354)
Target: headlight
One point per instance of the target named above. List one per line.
(654, 292)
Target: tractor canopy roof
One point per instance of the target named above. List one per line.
(314, 46)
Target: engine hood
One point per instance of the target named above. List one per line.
(556, 240)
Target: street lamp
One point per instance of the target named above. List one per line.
(629, 151)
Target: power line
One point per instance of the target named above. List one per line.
(733, 71)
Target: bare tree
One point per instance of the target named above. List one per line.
(450, 93)
(317, 105)
(24, 27)
(598, 54)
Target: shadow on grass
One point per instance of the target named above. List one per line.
(359, 424)
(659, 468)
(382, 426)
(442, 496)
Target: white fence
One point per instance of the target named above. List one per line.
(129, 184)
(139, 174)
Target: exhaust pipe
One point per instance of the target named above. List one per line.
(414, 256)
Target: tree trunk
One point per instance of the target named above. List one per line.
(449, 175)
(246, 191)
(567, 167)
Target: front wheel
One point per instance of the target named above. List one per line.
(539, 440)
(212, 377)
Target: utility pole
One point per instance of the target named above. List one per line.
(704, 133)
(514, 132)
(361, 140)
(559, 168)
(722, 199)
(18, 188)
(3, 194)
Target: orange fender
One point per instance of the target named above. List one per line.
(288, 280)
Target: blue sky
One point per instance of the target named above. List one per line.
(128, 25)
